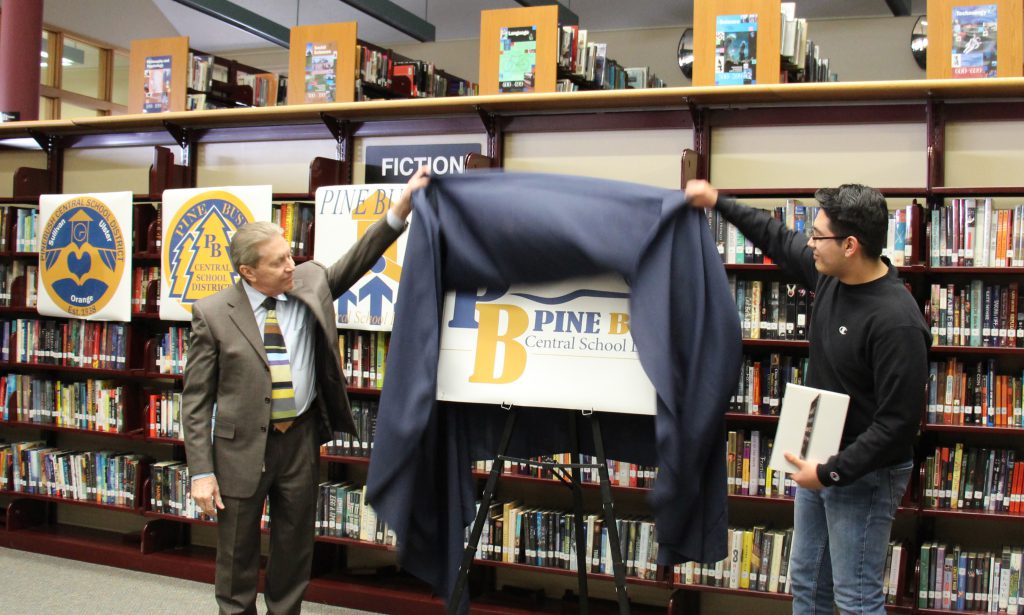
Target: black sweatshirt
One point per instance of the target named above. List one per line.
(867, 340)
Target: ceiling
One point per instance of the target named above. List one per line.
(117, 22)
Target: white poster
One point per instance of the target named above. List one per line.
(85, 252)
(342, 216)
(198, 224)
(561, 345)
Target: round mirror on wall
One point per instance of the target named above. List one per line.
(919, 41)
(684, 53)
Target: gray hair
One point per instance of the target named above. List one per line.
(245, 245)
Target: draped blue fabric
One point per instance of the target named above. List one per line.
(496, 229)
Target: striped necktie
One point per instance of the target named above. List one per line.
(282, 407)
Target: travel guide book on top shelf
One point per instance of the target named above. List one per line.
(810, 425)
(736, 49)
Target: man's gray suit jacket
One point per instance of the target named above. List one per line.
(227, 366)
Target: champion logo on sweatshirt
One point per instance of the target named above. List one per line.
(843, 330)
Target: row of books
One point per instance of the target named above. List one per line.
(373, 65)
(747, 466)
(638, 77)
(364, 414)
(747, 547)
(102, 477)
(956, 579)
(976, 315)
(974, 394)
(972, 233)
(201, 69)
(418, 79)
(968, 478)
(588, 61)
(95, 405)
(757, 559)
(143, 292)
(72, 343)
(363, 355)
(164, 415)
(342, 512)
(620, 473)
(172, 350)
(170, 491)
(9, 274)
(762, 383)
(262, 85)
(547, 538)
(297, 221)
(772, 310)
(19, 228)
(737, 249)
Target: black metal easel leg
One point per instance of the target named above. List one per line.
(609, 519)
(577, 505)
(481, 514)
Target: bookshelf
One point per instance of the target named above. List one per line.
(329, 64)
(139, 538)
(192, 79)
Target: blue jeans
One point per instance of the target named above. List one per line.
(840, 539)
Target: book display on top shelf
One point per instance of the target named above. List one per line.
(168, 76)
(734, 42)
(158, 75)
(519, 49)
(197, 227)
(975, 39)
(321, 63)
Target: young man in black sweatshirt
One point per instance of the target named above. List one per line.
(869, 340)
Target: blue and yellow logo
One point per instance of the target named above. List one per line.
(82, 256)
(195, 258)
(377, 288)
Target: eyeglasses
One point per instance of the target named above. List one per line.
(816, 238)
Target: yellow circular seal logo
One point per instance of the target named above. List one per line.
(82, 257)
(195, 255)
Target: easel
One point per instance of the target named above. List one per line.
(573, 481)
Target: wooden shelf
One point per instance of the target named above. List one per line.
(751, 418)
(780, 344)
(970, 515)
(84, 371)
(626, 100)
(1014, 271)
(125, 435)
(977, 350)
(973, 429)
(58, 500)
(560, 571)
(345, 459)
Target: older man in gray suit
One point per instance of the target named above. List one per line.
(264, 354)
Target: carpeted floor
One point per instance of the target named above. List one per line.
(39, 584)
